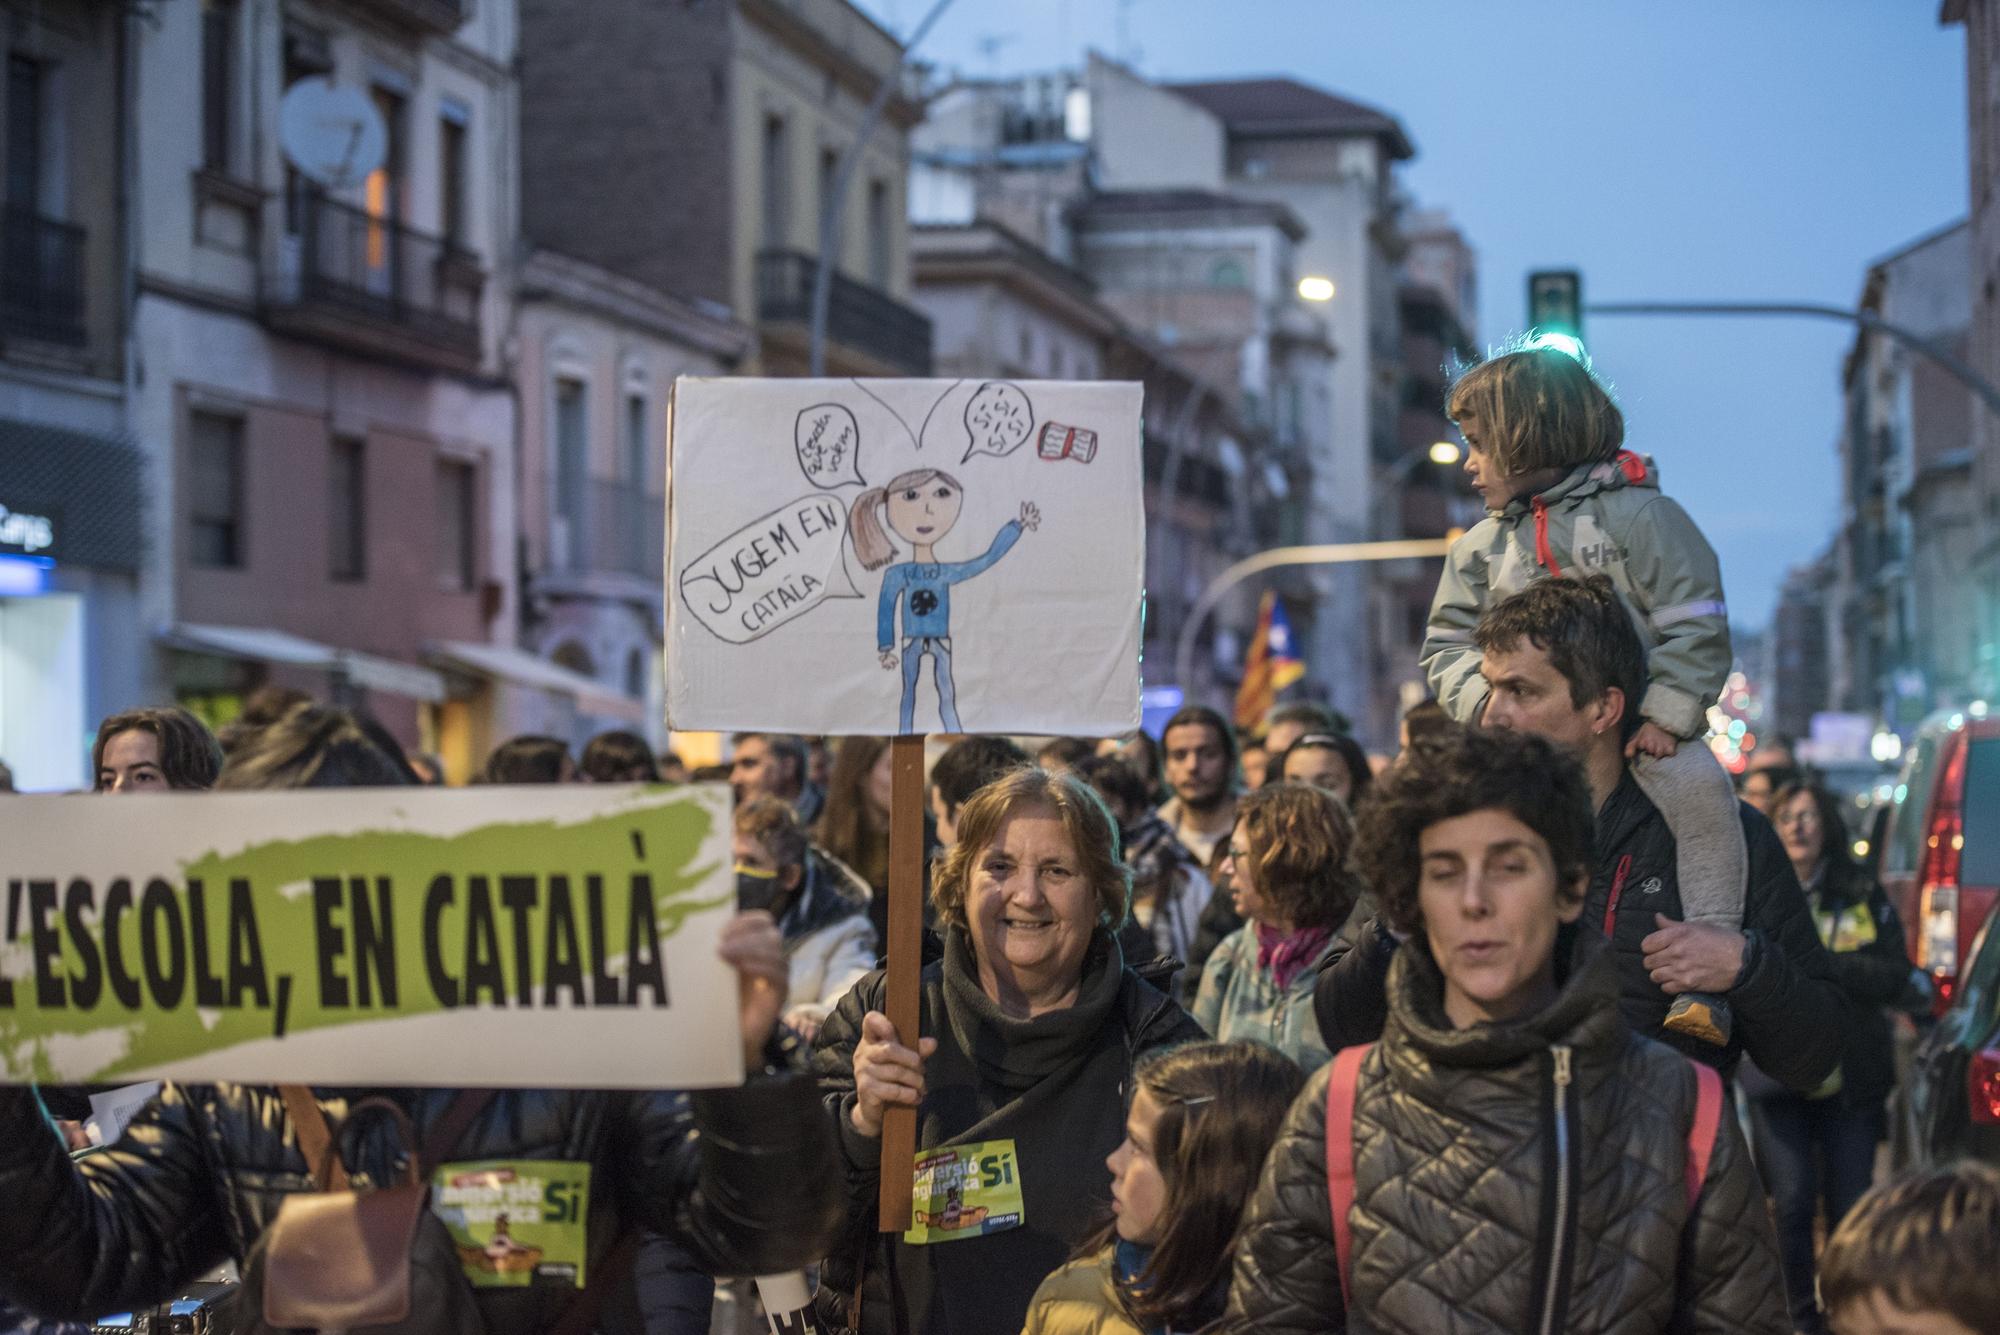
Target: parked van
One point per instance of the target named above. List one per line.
(1940, 847)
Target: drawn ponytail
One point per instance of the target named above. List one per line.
(871, 545)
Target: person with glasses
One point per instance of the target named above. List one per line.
(1818, 1148)
(1287, 869)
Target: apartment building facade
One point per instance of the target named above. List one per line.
(1906, 638)
(596, 357)
(322, 391)
(1001, 306)
(1981, 21)
(72, 534)
(1333, 162)
(773, 93)
(1438, 303)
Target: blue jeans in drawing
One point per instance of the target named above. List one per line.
(939, 648)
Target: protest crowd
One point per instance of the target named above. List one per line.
(1528, 1027)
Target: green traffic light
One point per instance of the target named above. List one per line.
(1567, 345)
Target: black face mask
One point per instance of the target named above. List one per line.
(757, 888)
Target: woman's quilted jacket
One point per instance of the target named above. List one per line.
(1528, 1176)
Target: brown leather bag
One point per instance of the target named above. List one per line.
(379, 1262)
(339, 1259)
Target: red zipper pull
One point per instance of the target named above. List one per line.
(1617, 891)
(1545, 557)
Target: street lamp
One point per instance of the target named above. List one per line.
(1314, 288)
(1326, 554)
(1442, 453)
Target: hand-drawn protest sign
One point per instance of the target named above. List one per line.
(559, 937)
(935, 577)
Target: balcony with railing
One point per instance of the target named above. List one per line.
(443, 17)
(41, 277)
(375, 286)
(860, 318)
(608, 528)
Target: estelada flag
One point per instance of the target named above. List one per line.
(1271, 665)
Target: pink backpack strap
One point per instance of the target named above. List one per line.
(1340, 1090)
(1702, 1132)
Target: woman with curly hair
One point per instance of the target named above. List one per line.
(1286, 865)
(1510, 1157)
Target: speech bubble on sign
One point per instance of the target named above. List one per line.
(829, 445)
(771, 571)
(998, 420)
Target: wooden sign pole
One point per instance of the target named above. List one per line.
(905, 952)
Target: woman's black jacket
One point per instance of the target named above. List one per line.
(1056, 1087)
(746, 1179)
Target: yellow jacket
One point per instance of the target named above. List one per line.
(1080, 1299)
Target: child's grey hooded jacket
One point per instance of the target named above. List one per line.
(1606, 518)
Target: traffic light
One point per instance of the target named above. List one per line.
(1555, 302)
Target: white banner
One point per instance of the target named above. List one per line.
(547, 936)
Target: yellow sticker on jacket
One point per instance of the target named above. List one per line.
(965, 1191)
(1850, 929)
(515, 1222)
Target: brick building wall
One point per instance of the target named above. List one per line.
(625, 137)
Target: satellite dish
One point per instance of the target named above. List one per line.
(332, 133)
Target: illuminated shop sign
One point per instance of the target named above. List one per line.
(27, 532)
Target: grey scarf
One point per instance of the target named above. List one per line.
(1017, 1054)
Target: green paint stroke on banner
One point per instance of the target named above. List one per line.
(343, 929)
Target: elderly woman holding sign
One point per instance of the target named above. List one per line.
(1031, 1023)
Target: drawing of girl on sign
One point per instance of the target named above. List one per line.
(921, 507)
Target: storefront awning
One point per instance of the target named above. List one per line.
(262, 645)
(503, 663)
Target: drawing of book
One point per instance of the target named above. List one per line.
(1067, 442)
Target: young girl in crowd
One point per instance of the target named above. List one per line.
(1544, 448)
(1202, 1118)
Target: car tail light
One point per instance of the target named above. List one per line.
(1937, 874)
(1937, 941)
(1983, 1086)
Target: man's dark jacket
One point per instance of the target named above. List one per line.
(1790, 1014)
(746, 1179)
